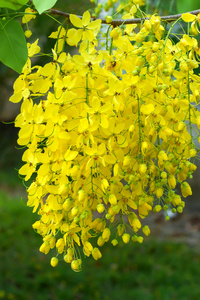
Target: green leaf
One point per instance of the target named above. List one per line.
(13, 47)
(184, 6)
(42, 5)
(13, 4)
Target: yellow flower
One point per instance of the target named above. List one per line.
(105, 131)
(88, 30)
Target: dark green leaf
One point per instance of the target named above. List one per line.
(13, 4)
(43, 5)
(184, 6)
(13, 47)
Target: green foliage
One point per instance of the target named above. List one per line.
(13, 4)
(185, 5)
(13, 48)
(151, 271)
(44, 5)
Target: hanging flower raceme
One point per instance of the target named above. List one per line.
(110, 136)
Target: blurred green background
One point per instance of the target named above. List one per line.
(166, 266)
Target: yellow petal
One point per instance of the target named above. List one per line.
(74, 36)
(86, 18)
(83, 125)
(94, 25)
(26, 131)
(132, 204)
(116, 169)
(147, 109)
(187, 17)
(70, 155)
(15, 98)
(76, 21)
(89, 164)
(76, 239)
(104, 121)
(28, 15)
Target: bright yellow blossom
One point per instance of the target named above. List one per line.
(108, 132)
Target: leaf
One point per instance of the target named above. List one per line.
(43, 5)
(13, 47)
(184, 6)
(13, 4)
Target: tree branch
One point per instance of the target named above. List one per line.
(118, 22)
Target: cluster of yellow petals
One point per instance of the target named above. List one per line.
(109, 134)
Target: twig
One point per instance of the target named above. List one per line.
(118, 22)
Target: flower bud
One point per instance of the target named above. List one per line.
(104, 184)
(106, 234)
(120, 229)
(54, 261)
(114, 242)
(159, 192)
(172, 181)
(100, 208)
(74, 211)
(146, 230)
(140, 239)
(193, 152)
(28, 33)
(81, 195)
(45, 247)
(126, 238)
(112, 199)
(142, 168)
(179, 209)
(67, 204)
(109, 19)
(87, 248)
(157, 208)
(115, 33)
(186, 189)
(126, 161)
(76, 265)
(100, 241)
(96, 253)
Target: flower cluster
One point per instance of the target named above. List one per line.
(109, 133)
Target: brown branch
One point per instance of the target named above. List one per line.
(118, 22)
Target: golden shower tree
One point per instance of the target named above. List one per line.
(109, 132)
